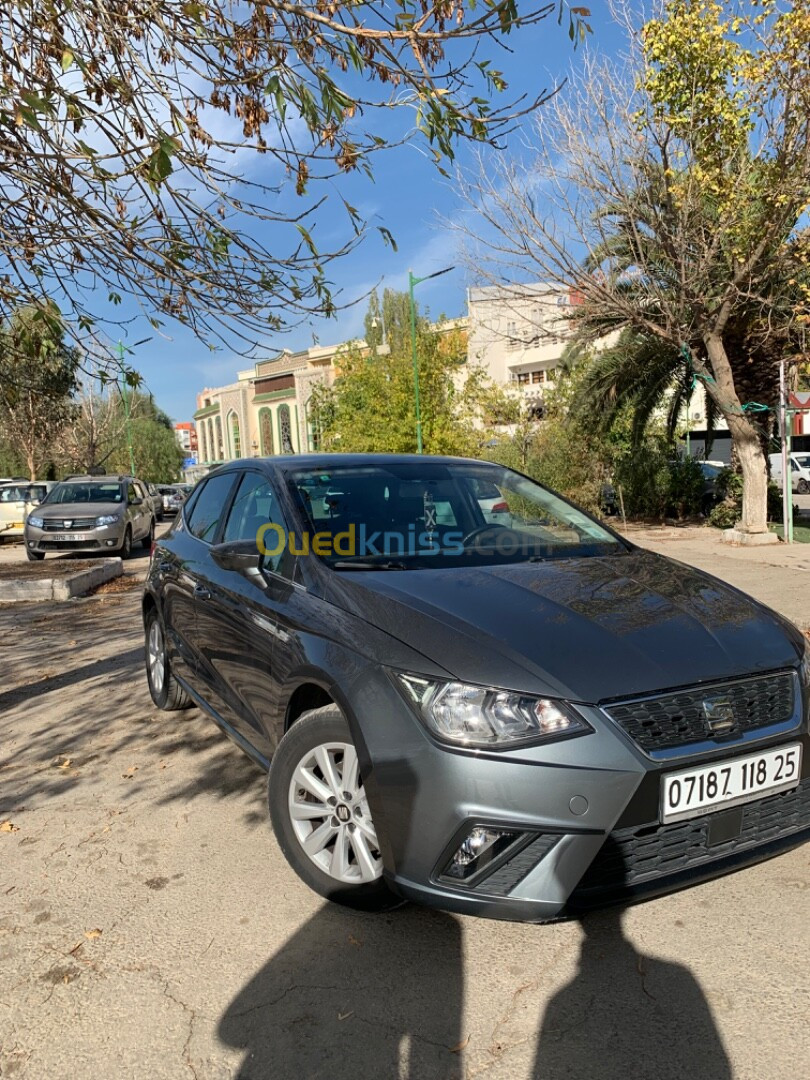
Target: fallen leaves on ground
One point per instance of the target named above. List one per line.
(8, 826)
(65, 764)
(90, 934)
(130, 772)
(460, 1046)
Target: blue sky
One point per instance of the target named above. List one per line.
(408, 196)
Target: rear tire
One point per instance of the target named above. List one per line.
(803, 487)
(164, 689)
(313, 778)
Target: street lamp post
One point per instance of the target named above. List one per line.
(412, 282)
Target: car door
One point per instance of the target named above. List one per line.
(181, 563)
(237, 622)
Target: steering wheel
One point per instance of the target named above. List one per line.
(487, 527)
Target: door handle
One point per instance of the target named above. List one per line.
(201, 593)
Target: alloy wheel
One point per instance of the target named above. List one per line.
(330, 815)
(156, 657)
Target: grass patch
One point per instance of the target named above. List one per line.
(801, 533)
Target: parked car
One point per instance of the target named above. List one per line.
(712, 470)
(518, 721)
(172, 498)
(799, 472)
(155, 500)
(17, 501)
(96, 515)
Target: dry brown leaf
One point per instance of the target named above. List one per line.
(65, 764)
(90, 934)
(130, 772)
(345, 1016)
(353, 940)
(457, 1049)
(7, 826)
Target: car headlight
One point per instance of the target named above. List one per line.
(483, 716)
(37, 522)
(107, 519)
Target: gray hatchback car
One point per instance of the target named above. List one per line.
(94, 515)
(518, 717)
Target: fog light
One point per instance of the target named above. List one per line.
(476, 851)
(110, 543)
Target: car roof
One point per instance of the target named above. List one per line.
(292, 462)
(112, 479)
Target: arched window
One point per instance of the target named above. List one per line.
(285, 429)
(203, 441)
(220, 449)
(236, 441)
(266, 432)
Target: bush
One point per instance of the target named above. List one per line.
(727, 512)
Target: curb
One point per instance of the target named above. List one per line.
(22, 590)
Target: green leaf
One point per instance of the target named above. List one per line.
(67, 60)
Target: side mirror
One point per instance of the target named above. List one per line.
(136, 502)
(238, 555)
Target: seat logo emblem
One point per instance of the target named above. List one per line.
(719, 715)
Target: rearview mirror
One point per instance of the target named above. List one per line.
(238, 555)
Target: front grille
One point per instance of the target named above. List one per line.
(678, 719)
(75, 524)
(634, 856)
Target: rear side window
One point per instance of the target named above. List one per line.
(206, 513)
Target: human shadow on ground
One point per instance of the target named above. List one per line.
(628, 1016)
(355, 997)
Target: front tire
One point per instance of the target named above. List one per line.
(320, 814)
(34, 556)
(164, 689)
(126, 545)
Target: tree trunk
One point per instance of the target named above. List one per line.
(745, 437)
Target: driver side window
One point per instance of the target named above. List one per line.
(255, 507)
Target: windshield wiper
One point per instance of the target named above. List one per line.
(347, 564)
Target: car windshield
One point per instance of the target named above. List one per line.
(86, 492)
(802, 460)
(409, 515)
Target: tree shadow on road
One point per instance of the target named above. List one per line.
(355, 997)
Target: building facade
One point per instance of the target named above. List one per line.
(265, 412)
(518, 334)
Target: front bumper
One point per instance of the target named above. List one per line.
(100, 540)
(584, 810)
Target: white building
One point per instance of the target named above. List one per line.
(518, 334)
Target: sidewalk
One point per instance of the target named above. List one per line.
(778, 575)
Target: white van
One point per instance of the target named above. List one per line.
(799, 471)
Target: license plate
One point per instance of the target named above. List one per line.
(70, 536)
(695, 792)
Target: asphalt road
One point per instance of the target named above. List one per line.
(149, 926)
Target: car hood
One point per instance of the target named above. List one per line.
(583, 629)
(72, 511)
